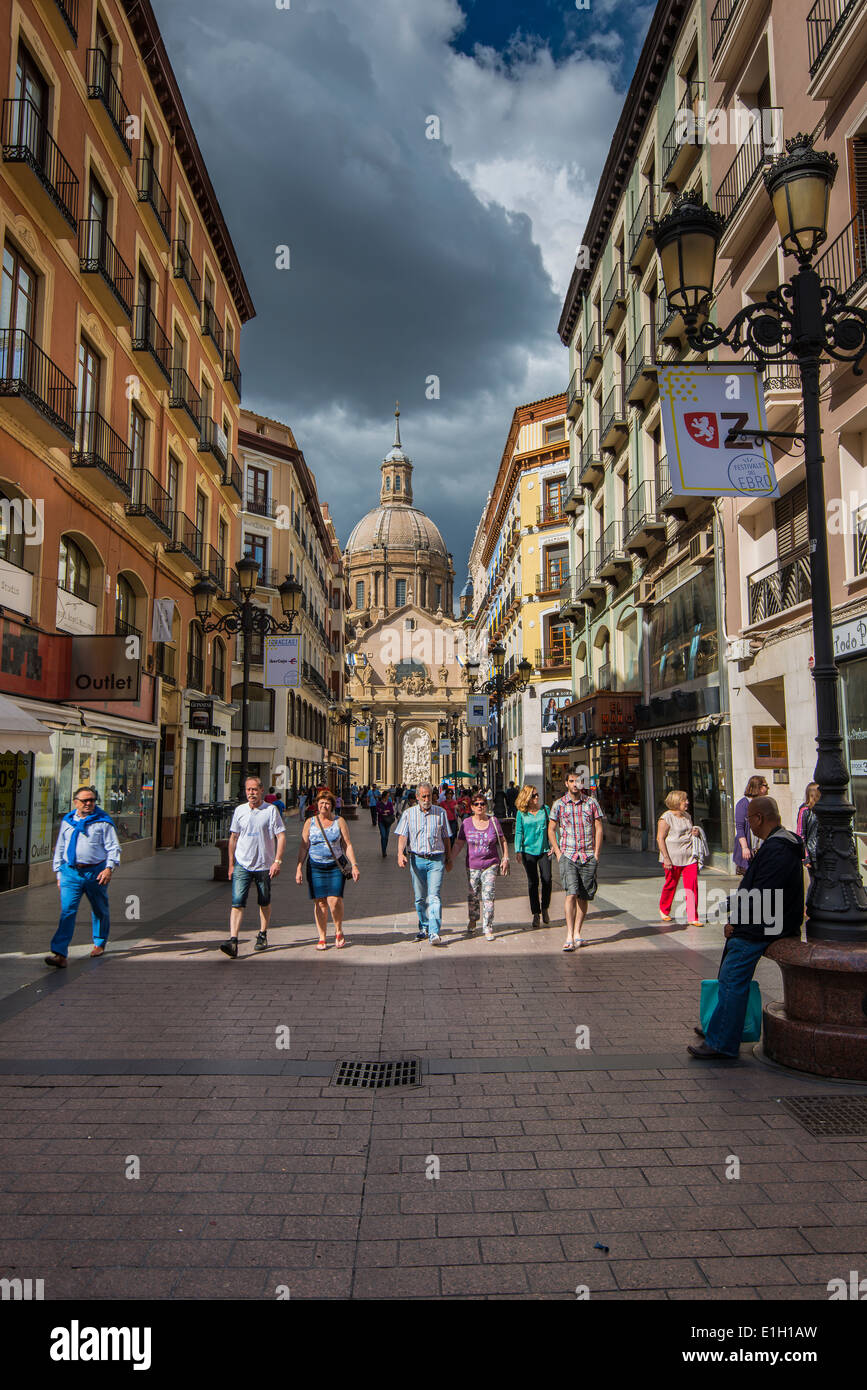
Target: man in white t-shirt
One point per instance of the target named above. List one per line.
(257, 839)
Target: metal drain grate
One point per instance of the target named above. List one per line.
(829, 1116)
(374, 1076)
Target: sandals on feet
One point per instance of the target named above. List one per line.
(340, 940)
(322, 945)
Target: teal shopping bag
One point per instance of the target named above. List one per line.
(753, 1020)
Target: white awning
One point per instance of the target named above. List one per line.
(689, 726)
(20, 732)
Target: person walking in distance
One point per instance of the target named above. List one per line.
(385, 817)
(483, 836)
(745, 842)
(324, 842)
(371, 805)
(576, 819)
(257, 840)
(86, 852)
(675, 834)
(807, 825)
(450, 806)
(424, 828)
(531, 844)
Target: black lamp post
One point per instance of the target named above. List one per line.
(345, 716)
(246, 618)
(496, 688)
(803, 318)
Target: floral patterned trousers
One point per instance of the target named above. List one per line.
(481, 885)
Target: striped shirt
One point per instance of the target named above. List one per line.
(575, 821)
(426, 832)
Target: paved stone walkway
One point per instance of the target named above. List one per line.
(255, 1172)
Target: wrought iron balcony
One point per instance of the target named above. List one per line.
(212, 439)
(591, 356)
(591, 464)
(215, 567)
(825, 22)
(613, 426)
(640, 370)
(551, 581)
(569, 604)
(779, 586)
(232, 372)
(211, 326)
(605, 677)
(553, 658)
(26, 140)
(184, 269)
(844, 264)
(184, 396)
(550, 513)
(574, 395)
(122, 628)
(28, 373)
(614, 301)
(98, 446)
(98, 255)
(639, 241)
(585, 687)
(165, 659)
(259, 503)
(151, 191)
(102, 86)
(758, 148)
(644, 526)
(232, 475)
(187, 539)
(68, 11)
(610, 554)
(685, 134)
(148, 336)
(573, 494)
(150, 500)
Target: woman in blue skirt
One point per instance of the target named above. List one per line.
(324, 838)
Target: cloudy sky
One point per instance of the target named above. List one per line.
(409, 256)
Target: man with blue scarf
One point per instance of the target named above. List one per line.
(87, 850)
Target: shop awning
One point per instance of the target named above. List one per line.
(689, 726)
(20, 732)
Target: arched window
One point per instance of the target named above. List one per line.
(397, 482)
(73, 572)
(388, 484)
(218, 670)
(12, 536)
(124, 607)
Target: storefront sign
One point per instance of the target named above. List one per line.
(700, 405)
(16, 588)
(550, 704)
(105, 668)
(201, 715)
(477, 712)
(74, 614)
(282, 668)
(850, 639)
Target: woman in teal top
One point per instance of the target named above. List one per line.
(531, 843)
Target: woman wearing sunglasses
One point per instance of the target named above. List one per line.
(531, 843)
(484, 839)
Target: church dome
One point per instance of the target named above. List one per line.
(399, 526)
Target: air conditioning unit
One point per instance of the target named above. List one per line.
(701, 548)
(739, 649)
(644, 594)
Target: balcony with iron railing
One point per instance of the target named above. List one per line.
(640, 370)
(551, 581)
(605, 677)
(610, 554)
(151, 191)
(573, 493)
(832, 26)
(28, 375)
(195, 672)
(613, 429)
(211, 327)
(165, 662)
(585, 687)
(719, 22)
(686, 134)
(639, 242)
(551, 513)
(591, 463)
(644, 526)
(148, 336)
(102, 86)
(614, 300)
(267, 578)
(184, 396)
(232, 372)
(98, 255)
(232, 475)
(670, 327)
(183, 268)
(844, 263)
(762, 142)
(554, 657)
(779, 586)
(67, 13)
(574, 395)
(215, 567)
(187, 539)
(591, 355)
(150, 501)
(97, 446)
(213, 440)
(260, 504)
(588, 584)
(123, 628)
(859, 535)
(28, 144)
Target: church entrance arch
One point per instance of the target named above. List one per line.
(415, 751)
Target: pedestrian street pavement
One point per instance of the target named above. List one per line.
(172, 1129)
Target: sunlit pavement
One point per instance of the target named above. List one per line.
(557, 1111)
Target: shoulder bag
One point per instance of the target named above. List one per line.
(340, 860)
(501, 842)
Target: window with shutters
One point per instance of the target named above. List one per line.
(857, 153)
(790, 521)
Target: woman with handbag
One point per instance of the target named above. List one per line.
(484, 838)
(531, 843)
(327, 848)
(675, 837)
(385, 817)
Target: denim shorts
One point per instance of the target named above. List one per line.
(242, 879)
(578, 879)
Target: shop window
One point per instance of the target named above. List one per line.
(770, 747)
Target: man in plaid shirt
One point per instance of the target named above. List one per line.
(577, 819)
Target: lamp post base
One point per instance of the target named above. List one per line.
(821, 1026)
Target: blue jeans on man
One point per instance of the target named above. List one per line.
(426, 872)
(74, 884)
(725, 1028)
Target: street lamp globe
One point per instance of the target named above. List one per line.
(290, 597)
(687, 240)
(525, 670)
(497, 653)
(204, 593)
(799, 185)
(247, 571)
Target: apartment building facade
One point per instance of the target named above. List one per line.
(518, 563)
(809, 61)
(293, 742)
(650, 713)
(120, 316)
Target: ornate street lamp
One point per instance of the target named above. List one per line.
(246, 618)
(807, 319)
(496, 688)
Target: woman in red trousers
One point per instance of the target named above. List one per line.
(674, 836)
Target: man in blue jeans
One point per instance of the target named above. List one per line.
(425, 828)
(86, 852)
(768, 904)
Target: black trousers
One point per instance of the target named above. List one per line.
(538, 866)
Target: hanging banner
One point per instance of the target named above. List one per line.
(477, 711)
(362, 736)
(445, 747)
(700, 405)
(282, 668)
(161, 627)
